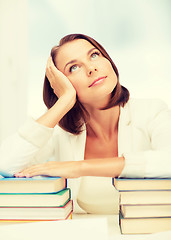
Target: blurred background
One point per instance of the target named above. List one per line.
(136, 34)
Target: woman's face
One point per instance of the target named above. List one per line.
(90, 73)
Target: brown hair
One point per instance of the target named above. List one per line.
(77, 116)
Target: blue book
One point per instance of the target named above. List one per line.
(6, 174)
(38, 184)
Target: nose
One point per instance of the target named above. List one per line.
(91, 69)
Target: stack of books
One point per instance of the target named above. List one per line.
(34, 199)
(145, 205)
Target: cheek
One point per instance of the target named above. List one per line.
(108, 67)
(79, 86)
(78, 80)
(76, 83)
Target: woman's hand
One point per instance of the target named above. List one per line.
(62, 169)
(65, 92)
(58, 81)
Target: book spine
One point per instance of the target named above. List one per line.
(65, 182)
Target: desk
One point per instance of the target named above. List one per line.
(82, 227)
(114, 229)
(112, 222)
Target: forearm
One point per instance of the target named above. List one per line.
(104, 167)
(52, 117)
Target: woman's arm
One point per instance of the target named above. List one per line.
(31, 144)
(154, 126)
(104, 167)
(52, 117)
(33, 141)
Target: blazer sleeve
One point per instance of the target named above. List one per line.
(30, 145)
(155, 162)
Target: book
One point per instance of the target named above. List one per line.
(18, 221)
(145, 205)
(6, 174)
(36, 213)
(144, 225)
(39, 198)
(132, 184)
(145, 197)
(144, 211)
(32, 185)
(35, 200)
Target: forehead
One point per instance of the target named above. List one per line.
(72, 50)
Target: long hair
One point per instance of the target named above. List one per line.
(76, 117)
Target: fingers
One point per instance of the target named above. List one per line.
(50, 68)
(51, 168)
(59, 82)
(34, 170)
(47, 169)
(52, 72)
(50, 64)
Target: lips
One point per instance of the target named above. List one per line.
(96, 81)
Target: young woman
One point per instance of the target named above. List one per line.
(91, 128)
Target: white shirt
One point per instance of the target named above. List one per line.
(144, 139)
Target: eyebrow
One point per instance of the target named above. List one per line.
(75, 60)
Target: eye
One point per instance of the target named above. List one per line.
(95, 55)
(73, 68)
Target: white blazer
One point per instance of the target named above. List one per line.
(144, 139)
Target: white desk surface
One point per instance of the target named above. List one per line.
(114, 229)
(83, 226)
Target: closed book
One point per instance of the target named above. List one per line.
(132, 184)
(144, 225)
(143, 211)
(13, 221)
(36, 213)
(145, 197)
(35, 200)
(32, 185)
